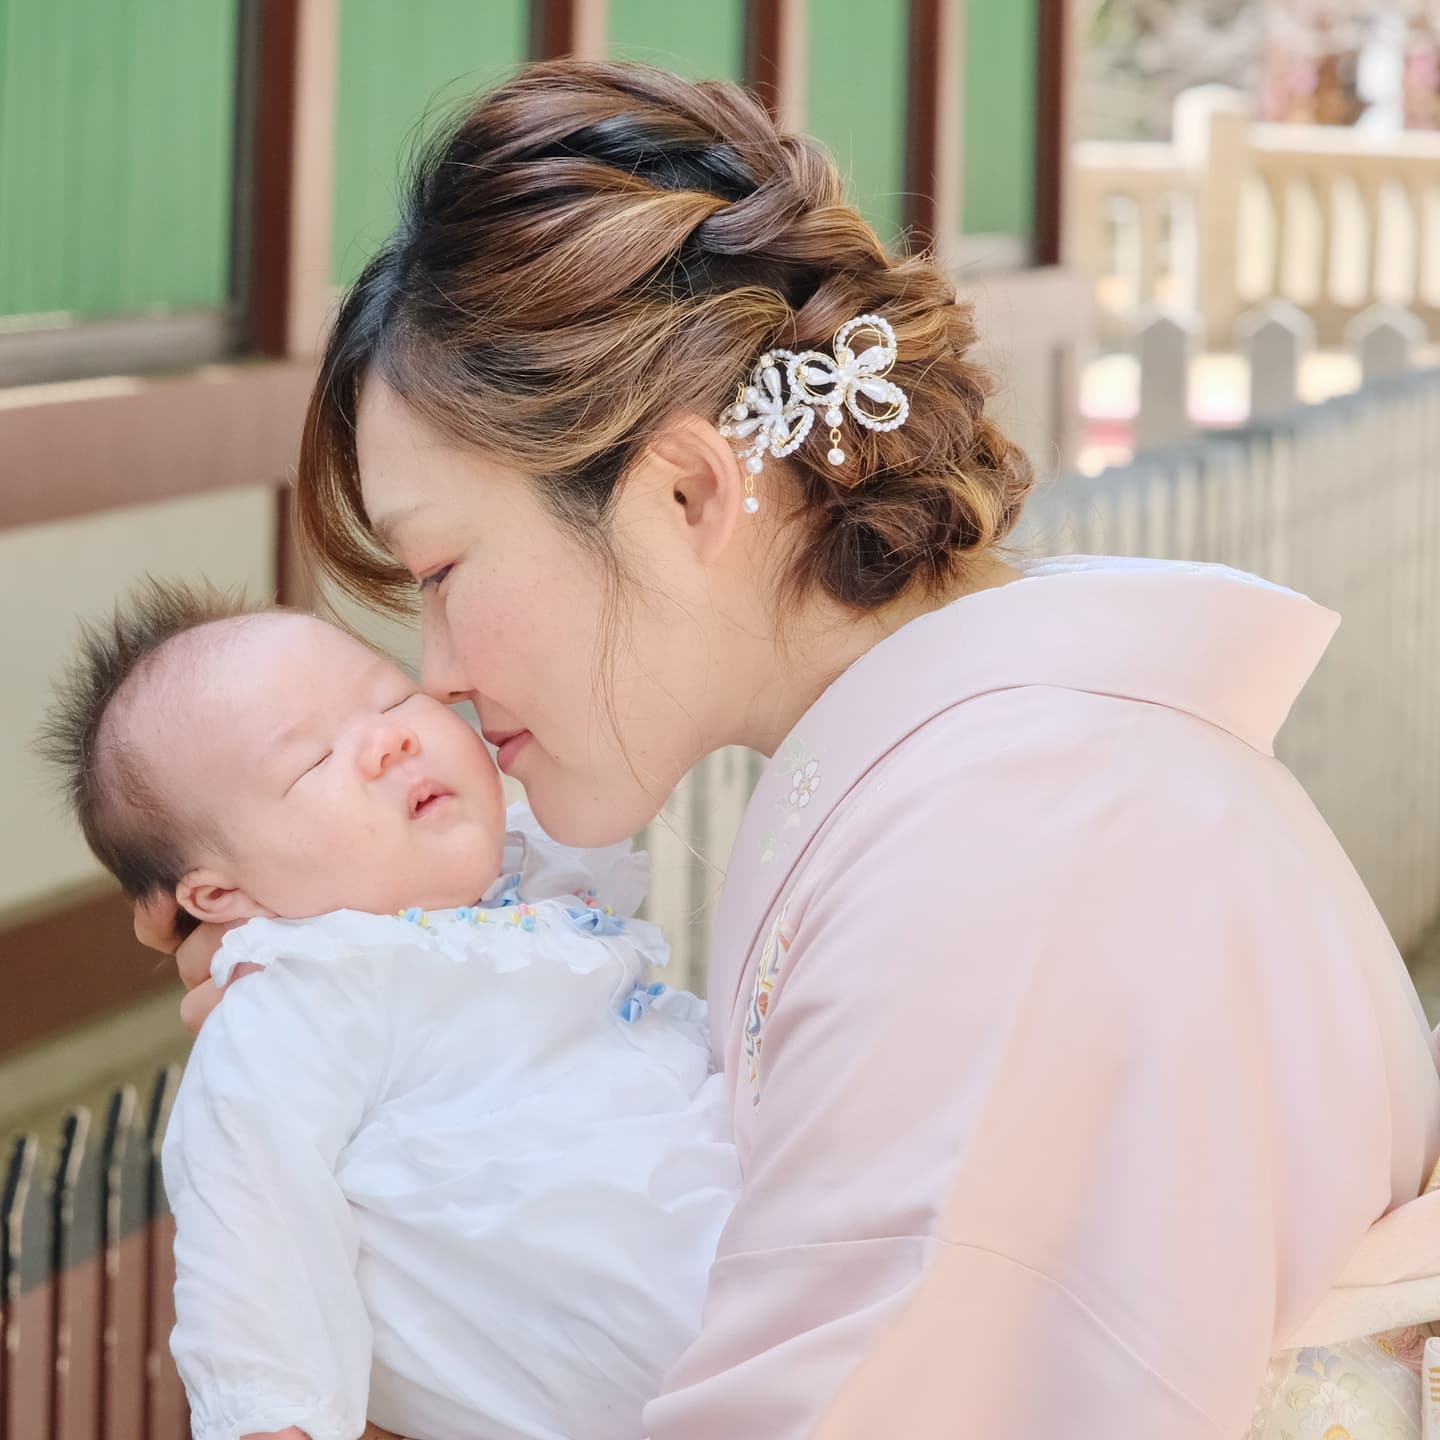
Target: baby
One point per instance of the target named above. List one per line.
(449, 1158)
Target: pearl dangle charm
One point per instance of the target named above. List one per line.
(775, 411)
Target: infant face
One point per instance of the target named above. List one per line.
(317, 775)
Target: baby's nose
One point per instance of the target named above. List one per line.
(388, 746)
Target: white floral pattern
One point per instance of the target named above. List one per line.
(804, 783)
(789, 785)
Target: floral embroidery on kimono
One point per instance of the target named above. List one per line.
(792, 782)
(1366, 1389)
(772, 957)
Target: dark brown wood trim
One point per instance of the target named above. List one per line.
(271, 173)
(1052, 128)
(923, 141)
(134, 442)
(552, 28)
(75, 964)
(764, 50)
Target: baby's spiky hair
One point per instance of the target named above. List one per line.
(120, 812)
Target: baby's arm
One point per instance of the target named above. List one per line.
(271, 1330)
(372, 1432)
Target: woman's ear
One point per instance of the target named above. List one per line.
(704, 484)
(208, 896)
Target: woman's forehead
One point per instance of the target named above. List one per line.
(404, 464)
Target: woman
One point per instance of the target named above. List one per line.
(1070, 1061)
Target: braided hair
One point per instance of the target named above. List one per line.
(593, 249)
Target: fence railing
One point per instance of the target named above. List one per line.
(1341, 501)
(1275, 341)
(689, 844)
(1235, 212)
(87, 1276)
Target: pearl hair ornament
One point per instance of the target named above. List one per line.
(776, 411)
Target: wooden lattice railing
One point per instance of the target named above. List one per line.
(87, 1275)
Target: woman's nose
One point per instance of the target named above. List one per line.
(440, 673)
(387, 745)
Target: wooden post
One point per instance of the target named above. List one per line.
(1052, 129)
(26, 1298)
(567, 27)
(1277, 336)
(126, 1165)
(932, 126)
(79, 1279)
(287, 101)
(167, 1417)
(775, 57)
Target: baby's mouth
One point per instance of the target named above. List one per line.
(427, 796)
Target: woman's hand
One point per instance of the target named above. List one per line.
(157, 925)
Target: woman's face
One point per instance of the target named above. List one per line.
(515, 617)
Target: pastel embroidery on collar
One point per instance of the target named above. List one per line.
(767, 973)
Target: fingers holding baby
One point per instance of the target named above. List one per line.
(161, 925)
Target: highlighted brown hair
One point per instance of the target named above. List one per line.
(595, 249)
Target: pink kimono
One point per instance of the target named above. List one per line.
(1071, 1062)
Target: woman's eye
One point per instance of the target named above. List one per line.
(436, 577)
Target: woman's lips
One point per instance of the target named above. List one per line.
(508, 744)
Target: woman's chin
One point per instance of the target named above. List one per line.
(594, 822)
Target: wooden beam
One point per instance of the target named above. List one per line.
(567, 27)
(72, 449)
(60, 969)
(1052, 128)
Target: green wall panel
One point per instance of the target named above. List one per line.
(855, 88)
(403, 68)
(702, 41)
(998, 176)
(116, 154)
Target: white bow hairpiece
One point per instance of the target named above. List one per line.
(776, 411)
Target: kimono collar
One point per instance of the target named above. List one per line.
(1212, 642)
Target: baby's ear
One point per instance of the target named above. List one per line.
(208, 897)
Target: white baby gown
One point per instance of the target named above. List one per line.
(464, 1172)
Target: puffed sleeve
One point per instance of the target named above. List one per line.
(270, 1329)
(1039, 1074)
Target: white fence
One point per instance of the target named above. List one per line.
(1235, 212)
(1275, 341)
(689, 846)
(1340, 501)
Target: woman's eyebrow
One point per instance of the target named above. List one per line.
(387, 524)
